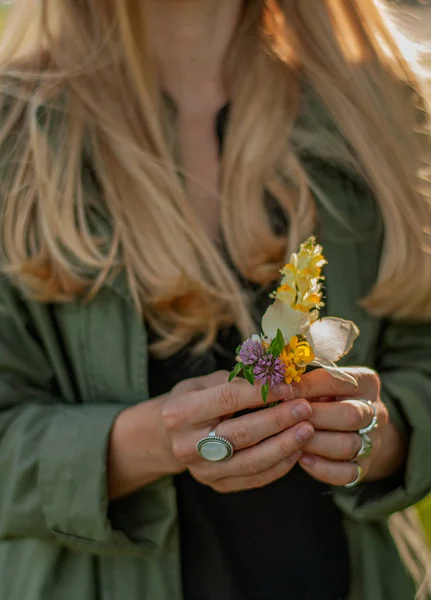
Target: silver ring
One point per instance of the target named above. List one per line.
(366, 447)
(374, 422)
(214, 448)
(358, 476)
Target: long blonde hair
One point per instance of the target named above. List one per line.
(86, 134)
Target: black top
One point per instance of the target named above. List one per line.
(281, 542)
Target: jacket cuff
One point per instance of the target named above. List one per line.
(405, 395)
(73, 481)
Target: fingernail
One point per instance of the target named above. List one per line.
(283, 390)
(307, 460)
(304, 434)
(302, 411)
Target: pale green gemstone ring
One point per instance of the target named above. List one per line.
(214, 448)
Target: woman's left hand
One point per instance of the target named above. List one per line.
(337, 418)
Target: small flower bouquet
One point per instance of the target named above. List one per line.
(294, 337)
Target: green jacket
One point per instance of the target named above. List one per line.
(66, 372)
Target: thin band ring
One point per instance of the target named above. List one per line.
(374, 421)
(357, 478)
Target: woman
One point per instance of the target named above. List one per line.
(160, 160)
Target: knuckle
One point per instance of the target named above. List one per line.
(372, 376)
(180, 450)
(281, 418)
(228, 398)
(367, 378)
(241, 437)
(171, 414)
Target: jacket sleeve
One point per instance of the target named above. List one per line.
(404, 363)
(53, 452)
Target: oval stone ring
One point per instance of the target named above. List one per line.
(214, 448)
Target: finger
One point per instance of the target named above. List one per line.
(248, 430)
(264, 455)
(236, 484)
(213, 379)
(206, 381)
(245, 431)
(334, 445)
(323, 399)
(210, 405)
(320, 383)
(342, 446)
(330, 472)
(344, 415)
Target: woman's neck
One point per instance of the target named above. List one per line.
(190, 39)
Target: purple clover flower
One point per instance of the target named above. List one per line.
(269, 370)
(251, 351)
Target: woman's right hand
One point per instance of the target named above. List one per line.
(267, 442)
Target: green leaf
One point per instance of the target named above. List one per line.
(277, 344)
(264, 392)
(236, 371)
(248, 374)
(238, 350)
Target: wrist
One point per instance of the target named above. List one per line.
(139, 449)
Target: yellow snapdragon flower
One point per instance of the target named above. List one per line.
(301, 286)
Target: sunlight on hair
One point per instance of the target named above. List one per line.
(274, 26)
(346, 30)
(409, 49)
(406, 27)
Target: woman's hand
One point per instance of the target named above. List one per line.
(267, 442)
(337, 417)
